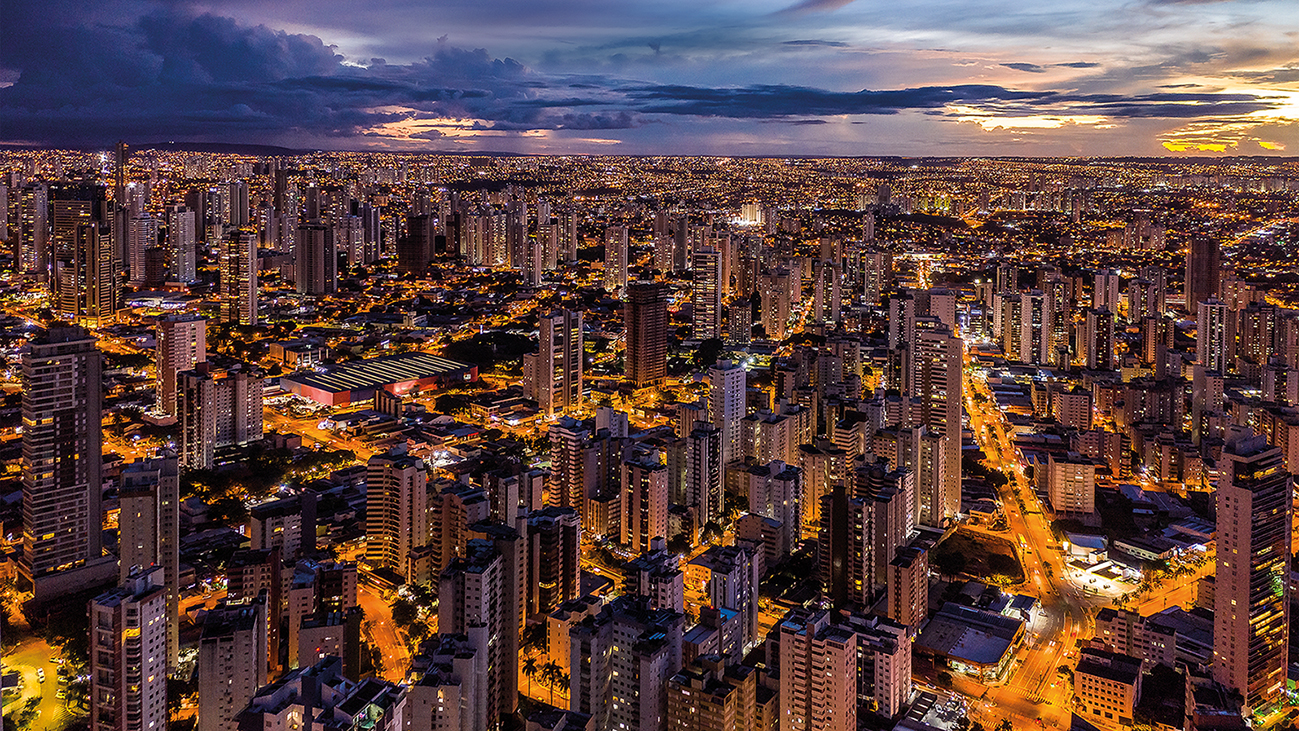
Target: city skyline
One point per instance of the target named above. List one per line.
(817, 77)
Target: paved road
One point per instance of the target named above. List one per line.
(383, 633)
(26, 659)
(1033, 693)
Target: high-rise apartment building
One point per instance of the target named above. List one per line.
(396, 509)
(818, 674)
(62, 446)
(704, 486)
(644, 496)
(572, 465)
(1105, 290)
(645, 314)
(231, 662)
(216, 409)
(237, 260)
(128, 655)
(182, 233)
(711, 694)
(315, 265)
(553, 375)
(727, 577)
(1214, 335)
(706, 294)
(480, 595)
(30, 230)
(181, 345)
(621, 660)
(1099, 343)
(726, 406)
(554, 558)
(908, 587)
(1203, 271)
(1251, 633)
(86, 285)
(149, 527)
(931, 373)
(615, 259)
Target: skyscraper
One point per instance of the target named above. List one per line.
(644, 499)
(706, 294)
(62, 453)
(182, 344)
(149, 523)
(621, 660)
(1251, 633)
(1099, 339)
(182, 232)
(214, 409)
(704, 465)
(1105, 290)
(645, 315)
(818, 673)
(239, 210)
(479, 596)
(238, 277)
(615, 259)
(30, 232)
(932, 373)
(231, 662)
(1213, 335)
(726, 398)
(553, 375)
(128, 662)
(554, 555)
(86, 282)
(1203, 271)
(315, 266)
(396, 509)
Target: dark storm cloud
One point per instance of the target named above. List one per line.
(812, 6)
(160, 73)
(768, 100)
(814, 42)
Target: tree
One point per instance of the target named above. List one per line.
(404, 613)
(708, 352)
(551, 673)
(533, 638)
(949, 563)
(530, 671)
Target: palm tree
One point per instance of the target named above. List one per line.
(530, 671)
(563, 682)
(550, 675)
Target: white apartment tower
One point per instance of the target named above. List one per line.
(128, 655)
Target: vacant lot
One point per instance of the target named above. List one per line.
(978, 555)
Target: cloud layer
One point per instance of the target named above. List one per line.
(171, 71)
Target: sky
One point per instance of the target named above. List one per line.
(735, 77)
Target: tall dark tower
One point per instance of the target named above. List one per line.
(119, 191)
(1203, 272)
(646, 317)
